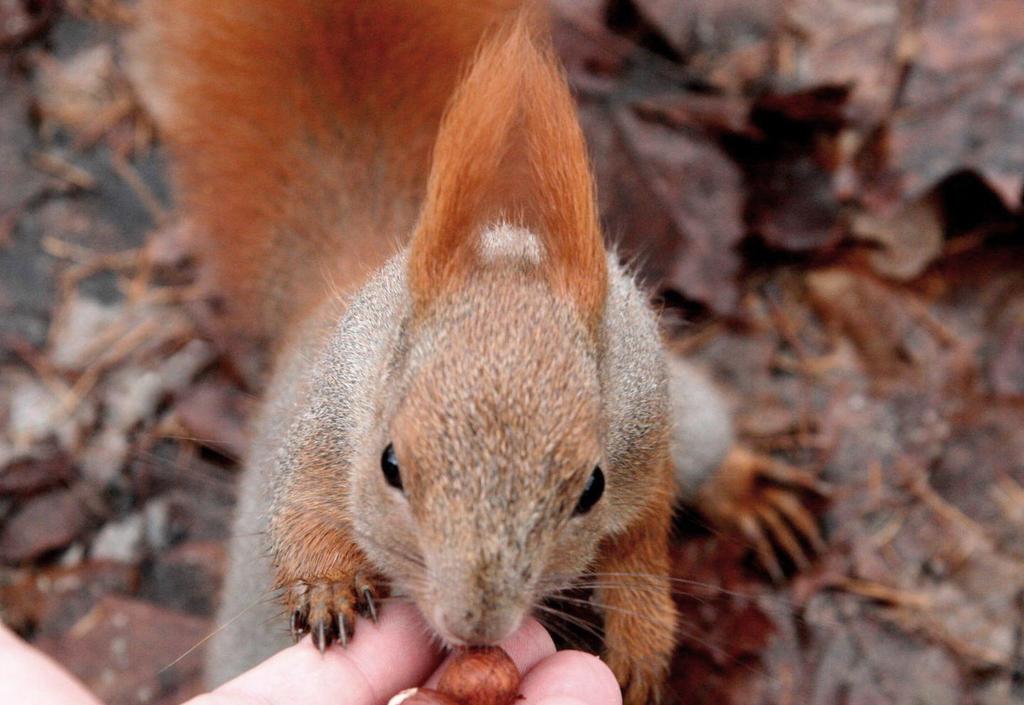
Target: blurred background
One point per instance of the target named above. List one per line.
(825, 199)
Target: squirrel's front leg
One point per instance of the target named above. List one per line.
(323, 577)
(635, 594)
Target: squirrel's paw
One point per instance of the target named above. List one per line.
(761, 498)
(328, 608)
(642, 681)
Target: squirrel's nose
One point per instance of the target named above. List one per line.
(471, 626)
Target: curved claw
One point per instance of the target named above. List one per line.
(321, 637)
(785, 474)
(765, 555)
(298, 625)
(344, 630)
(784, 536)
(798, 515)
(370, 607)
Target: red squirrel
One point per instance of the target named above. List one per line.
(468, 404)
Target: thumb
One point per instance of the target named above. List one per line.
(29, 677)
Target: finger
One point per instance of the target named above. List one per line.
(571, 677)
(765, 555)
(29, 677)
(529, 645)
(798, 515)
(382, 659)
(783, 535)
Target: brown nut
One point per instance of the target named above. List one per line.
(481, 676)
(422, 696)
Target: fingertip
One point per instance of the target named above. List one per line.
(396, 650)
(571, 677)
(530, 644)
(27, 675)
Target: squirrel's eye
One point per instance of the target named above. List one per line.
(592, 492)
(389, 464)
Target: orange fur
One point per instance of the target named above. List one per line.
(301, 134)
(301, 162)
(639, 641)
(510, 148)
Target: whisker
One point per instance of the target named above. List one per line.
(215, 444)
(597, 605)
(406, 555)
(564, 635)
(171, 468)
(215, 632)
(772, 604)
(571, 619)
(675, 581)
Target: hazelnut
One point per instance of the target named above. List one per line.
(422, 696)
(481, 676)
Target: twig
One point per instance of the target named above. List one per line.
(884, 593)
(139, 187)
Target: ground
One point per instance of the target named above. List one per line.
(825, 201)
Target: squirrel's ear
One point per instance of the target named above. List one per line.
(510, 148)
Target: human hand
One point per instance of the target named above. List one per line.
(381, 660)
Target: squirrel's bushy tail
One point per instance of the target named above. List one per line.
(300, 131)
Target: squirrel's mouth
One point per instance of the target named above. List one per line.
(467, 625)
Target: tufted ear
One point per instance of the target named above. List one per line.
(510, 148)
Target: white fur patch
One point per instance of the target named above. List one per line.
(505, 241)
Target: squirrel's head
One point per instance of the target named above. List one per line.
(490, 461)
